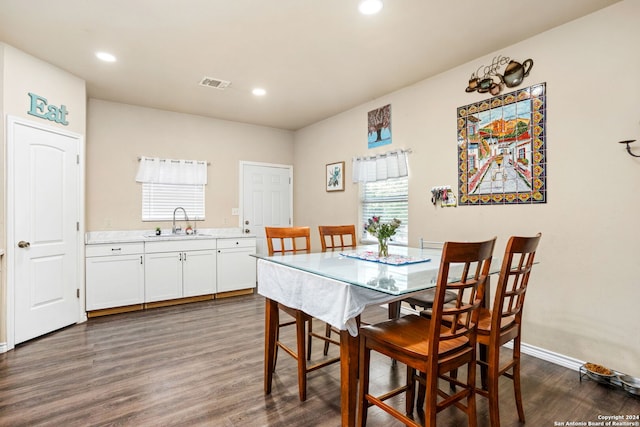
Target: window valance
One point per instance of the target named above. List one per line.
(169, 171)
(393, 164)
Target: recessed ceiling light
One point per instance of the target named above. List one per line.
(259, 92)
(106, 57)
(370, 7)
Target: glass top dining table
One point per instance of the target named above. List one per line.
(406, 269)
(336, 287)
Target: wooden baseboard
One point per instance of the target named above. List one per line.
(235, 293)
(167, 303)
(115, 310)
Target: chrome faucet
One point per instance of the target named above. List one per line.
(175, 229)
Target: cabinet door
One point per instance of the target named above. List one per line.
(199, 273)
(114, 281)
(163, 276)
(236, 269)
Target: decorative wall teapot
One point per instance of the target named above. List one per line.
(515, 72)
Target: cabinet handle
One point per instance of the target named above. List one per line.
(116, 249)
(185, 256)
(140, 259)
(180, 256)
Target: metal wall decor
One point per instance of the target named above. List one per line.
(501, 149)
(487, 78)
(629, 141)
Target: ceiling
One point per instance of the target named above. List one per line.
(315, 58)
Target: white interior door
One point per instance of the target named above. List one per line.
(43, 218)
(267, 199)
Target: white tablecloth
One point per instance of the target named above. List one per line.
(332, 301)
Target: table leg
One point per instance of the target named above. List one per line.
(349, 358)
(271, 321)
(394, 309)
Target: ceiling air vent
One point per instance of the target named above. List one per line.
(215, 83)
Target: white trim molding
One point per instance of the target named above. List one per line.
(528, 349)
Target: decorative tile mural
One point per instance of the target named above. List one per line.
(501, 149)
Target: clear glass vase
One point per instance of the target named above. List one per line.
(383, 248)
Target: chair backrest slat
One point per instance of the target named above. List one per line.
(290, 239)
(330, 234)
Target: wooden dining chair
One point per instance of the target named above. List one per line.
(292, 240)
(336, 237)
(503, 323)
(428, 346)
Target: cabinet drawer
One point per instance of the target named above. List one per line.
(244, 242)
(179, 245)
(114, 249)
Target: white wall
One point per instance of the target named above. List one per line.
(584, 294)
(118, 134)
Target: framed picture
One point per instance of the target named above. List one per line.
(334, 178)
(379, 126)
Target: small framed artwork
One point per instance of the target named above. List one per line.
(334, 178)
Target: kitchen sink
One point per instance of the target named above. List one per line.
(177, 236)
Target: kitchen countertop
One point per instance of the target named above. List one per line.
(133, 236)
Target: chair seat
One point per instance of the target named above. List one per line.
(425, 299)
(484, 322)
(408, 335)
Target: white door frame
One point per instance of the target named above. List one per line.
(10, 221)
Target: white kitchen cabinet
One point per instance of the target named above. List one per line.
(114, 275)
(179, 269)
(236, 266)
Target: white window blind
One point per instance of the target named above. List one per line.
(387, 199)
(160, 200)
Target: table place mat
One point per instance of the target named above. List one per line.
(391, 259)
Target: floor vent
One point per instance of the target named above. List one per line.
(215, 83)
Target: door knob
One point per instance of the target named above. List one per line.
(246, 222)
(23, 244)
(247, 231)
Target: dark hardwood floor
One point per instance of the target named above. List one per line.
(202, 364)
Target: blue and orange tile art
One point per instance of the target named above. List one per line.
(502, 149)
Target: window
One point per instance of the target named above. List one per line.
(168, 184)
(388, 199)
(160, 200)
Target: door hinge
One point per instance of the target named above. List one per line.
(78, 293)
(77, 225)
